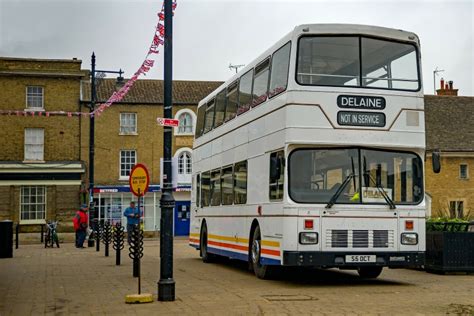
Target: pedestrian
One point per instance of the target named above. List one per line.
(80, 225)
(133, 219)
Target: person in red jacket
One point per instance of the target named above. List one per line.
(80, 225)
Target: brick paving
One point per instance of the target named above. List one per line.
(83, 282)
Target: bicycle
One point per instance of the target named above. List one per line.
(51, 235)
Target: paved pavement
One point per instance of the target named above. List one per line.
(81, 281)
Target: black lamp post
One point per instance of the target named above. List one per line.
(94, 215)
(166, 284)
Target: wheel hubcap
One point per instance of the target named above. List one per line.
(256, 251)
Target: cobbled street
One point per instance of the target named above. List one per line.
(84, 282)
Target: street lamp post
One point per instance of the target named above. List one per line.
(166, 284)
(91, 141)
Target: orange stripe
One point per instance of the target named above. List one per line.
(271, 252)
(194, 240)
(221, 244)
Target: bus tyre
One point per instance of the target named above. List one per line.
(261, 271)
(369, 272)
(205, 255)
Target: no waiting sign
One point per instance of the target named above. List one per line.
(167, 122)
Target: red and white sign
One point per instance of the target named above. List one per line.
(167, 122)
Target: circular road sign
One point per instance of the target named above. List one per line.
(139, 180)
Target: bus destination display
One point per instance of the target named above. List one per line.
(371, 119)
(361, 102)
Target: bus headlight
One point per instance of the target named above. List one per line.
(308, 238)
(409, 238)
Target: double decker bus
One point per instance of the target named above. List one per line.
(313, 155)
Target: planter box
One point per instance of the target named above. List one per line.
(449, 251)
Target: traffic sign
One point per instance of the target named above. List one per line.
(139, 180)
(167, 122)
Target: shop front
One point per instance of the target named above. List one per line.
(111, 202)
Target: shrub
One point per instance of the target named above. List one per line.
(447, 224)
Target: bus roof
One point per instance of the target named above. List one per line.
(332, 28)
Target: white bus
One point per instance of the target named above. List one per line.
(313, 155)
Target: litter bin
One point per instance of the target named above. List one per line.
(6, 239)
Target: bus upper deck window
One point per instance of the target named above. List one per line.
(279, 70)
(232, 101)
(245, 92)
(260, 82)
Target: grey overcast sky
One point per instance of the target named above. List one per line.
(208, 35)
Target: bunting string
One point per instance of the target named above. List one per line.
(150, 58)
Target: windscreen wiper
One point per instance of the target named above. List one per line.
(333, 199)
(382, 191)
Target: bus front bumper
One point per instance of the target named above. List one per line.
(338, 259)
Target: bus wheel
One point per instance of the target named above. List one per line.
(261, 271)
(205, 255)
(369, 272)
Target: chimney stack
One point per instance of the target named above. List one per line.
(447, 88)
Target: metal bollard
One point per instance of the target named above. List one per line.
(118, 244)
(106, 236)
(136, 251)
(42, 233)
(97, 232)
(17, 234)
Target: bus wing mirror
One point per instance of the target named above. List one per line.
(275, 169)
(436, 161)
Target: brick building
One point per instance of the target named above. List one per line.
(127, 133)
(450, 128)
(40, 156)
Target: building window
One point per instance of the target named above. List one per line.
(128, 159)
(34, 97)
(456, 209)
(184, 163)
(33, 203)
(185, 123)
(463, 171)
(34, 144)
(128, 123)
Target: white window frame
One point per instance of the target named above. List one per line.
(187, 164)
(467, 171)
(34, 108)
(130, 114)
(33, 221)
(121, 177)
(28, 144)
(193, 119)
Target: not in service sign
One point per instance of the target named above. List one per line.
(370, 119)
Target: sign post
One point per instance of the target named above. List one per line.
(139, 181)
(166, 284)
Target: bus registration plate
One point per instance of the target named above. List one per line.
(361, 258)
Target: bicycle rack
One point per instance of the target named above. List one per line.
(136, 250)
(107, 236)
(118, 244)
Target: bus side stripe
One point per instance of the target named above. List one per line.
(225, 245)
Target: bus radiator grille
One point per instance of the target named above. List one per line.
(338, 238)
